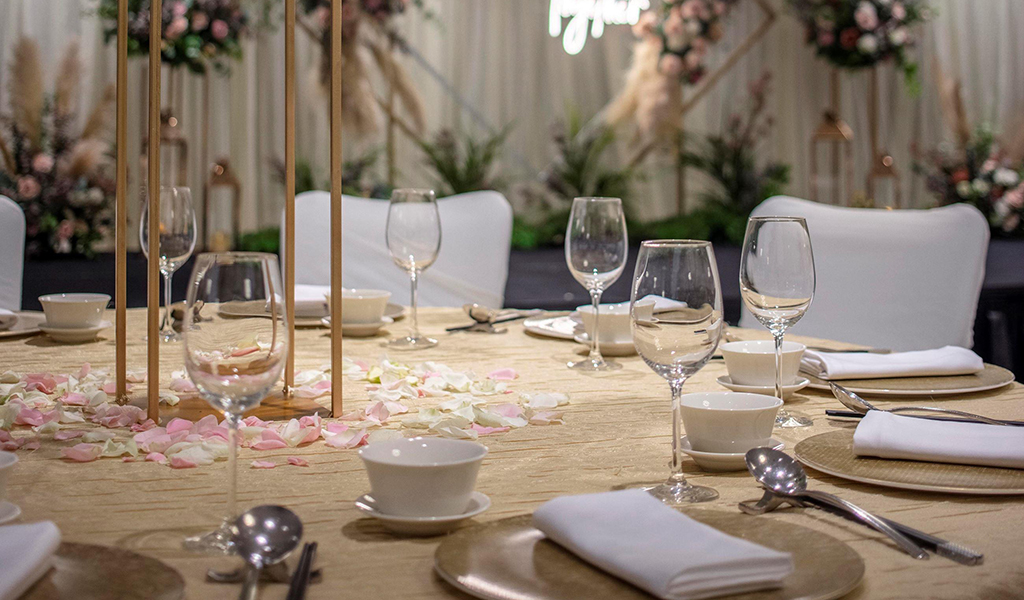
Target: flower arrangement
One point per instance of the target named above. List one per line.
(196, 33)
(59, 174)
(853, 34)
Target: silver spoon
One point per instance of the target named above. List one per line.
(264, 536)
(780, 473)
(857, 404)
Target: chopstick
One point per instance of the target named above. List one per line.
(856, 415)
(300, 579)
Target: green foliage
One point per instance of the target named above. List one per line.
(466, 166)
(261, 240)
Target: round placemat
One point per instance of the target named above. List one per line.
(87, 572)
(511, 559)
(990, 378)
(832, 453)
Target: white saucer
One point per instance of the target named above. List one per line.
(609, 348)
(787, 390)
(361, 329)
(76, 335)
(423, 526)
(8, 511)
(720, 461)
(560, 326)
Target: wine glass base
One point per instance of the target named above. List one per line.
(675, 493)
(588, 364)
(788, 421)
(411, 343)
(218, 541)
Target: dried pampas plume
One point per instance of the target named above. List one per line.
(403, 86)
(65, 95)
(85, 157)
(26, 91)
(952, 104)
(650, 97)
(99, 120)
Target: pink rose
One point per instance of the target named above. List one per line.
(645, 26)
(689, 9)
(42, 163)
(826, 38)
(65, 230)
(670, 64)
(177, 27)
(219, 29)
(1015, 197)
(673, 24)
(323, 16)
(899, 12)
(28, 187)
(1011, 223)
(866, 16)
(200, 21)
(692, 59)
(178, 9)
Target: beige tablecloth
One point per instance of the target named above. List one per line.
(616, 434)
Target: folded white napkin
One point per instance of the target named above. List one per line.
(311, 300)
(25, 552)
(950, 360)
(7, 319)
(887, 435)
(632, 535)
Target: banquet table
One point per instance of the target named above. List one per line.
(615, 435)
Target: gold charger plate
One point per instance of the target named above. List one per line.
(832, 453)
(990, 378)
(87, 572)
(511, 559)
(28, 324)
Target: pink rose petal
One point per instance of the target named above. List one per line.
(506, 374)
(67, 434)
(298, 462)
(144, 426)
(177, 425)
(263, 464)
(487, 430)
(82, 452)
(547, 417)
(178, 462)
(182, 386)
(270, 440)
(377, 412)
(336, 427)
(43, 382)
(508, 410)
(84, 370)
(254, 422)
(75, 399)
(110, 388)
(156, 457)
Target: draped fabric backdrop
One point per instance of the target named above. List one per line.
(498, 54)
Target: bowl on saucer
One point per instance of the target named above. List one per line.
(753, 362)
(74, 311)
(360, 329)
(74, 335)
(423, 526)
(721, 461)
(787, 390)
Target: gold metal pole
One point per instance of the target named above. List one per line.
(336, 162)
(121, 209)
(289, 188)
(153, 296)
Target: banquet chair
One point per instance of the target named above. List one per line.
(897, 279)
(12, 253)
(472, 266)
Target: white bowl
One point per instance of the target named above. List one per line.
(74, 311)
(728, 421)
(423, 477)
(753, 362)
(360, 306)
(613, 320)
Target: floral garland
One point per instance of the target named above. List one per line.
(685, 29)
(854, 34)
(196, 33)
(434, 399)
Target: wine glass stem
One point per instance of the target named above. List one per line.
(778, 371)
(414, 277)
(677, 430)
(232, 510)
(595, 347)
(168, 323)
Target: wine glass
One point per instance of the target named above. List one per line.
(675, 311)
(777, 284)
(177, 241)
(595, 250)
(414, 239)
(233, 362)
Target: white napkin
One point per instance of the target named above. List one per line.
(887, 435)
(632, 535)
(311, 300)
(7, 319)
(950, 360)
(25, 552)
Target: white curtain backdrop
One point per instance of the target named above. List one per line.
(498, 54)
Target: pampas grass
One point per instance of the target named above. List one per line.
(66, 86)
(654, 100)
(98, 124)
(402, 85)
(26, 91)
(84, 158)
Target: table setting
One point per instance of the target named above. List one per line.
(494, 459)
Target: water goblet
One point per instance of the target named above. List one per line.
(596, 245)
(777, 284)
(414, 239)
(177, 241)
(676, 318)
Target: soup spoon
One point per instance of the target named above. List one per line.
(857, 404)
(264, 536)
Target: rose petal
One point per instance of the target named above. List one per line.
(488, 430)
(82, 452)
(506, 374)
(298, 462)
(263, 464)
(68, 434)
(156, 457)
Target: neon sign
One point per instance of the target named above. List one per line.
(581, 13)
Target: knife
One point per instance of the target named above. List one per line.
(849, 414)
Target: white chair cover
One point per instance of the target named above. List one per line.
(12, 253)
(472, 266)
(898, 279)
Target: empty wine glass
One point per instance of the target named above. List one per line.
(675, 311)
(595, 250)
(414, 239)
(233, 362)
(177, 241)
(777, 284)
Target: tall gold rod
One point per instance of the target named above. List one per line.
(153, 296)
(289, 188)
(336, 352)
(121, 207)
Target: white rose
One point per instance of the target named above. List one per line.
(981, 187)
(899, 36)
(963, 189)
(1005, 177)
(867, 44)
(693, 27)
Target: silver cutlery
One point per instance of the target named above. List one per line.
(849, 414)
(944, 548)
(278, 573)
(486, 318)
(300, 580)
(780, 473)
(264, 536)
(857, 404)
